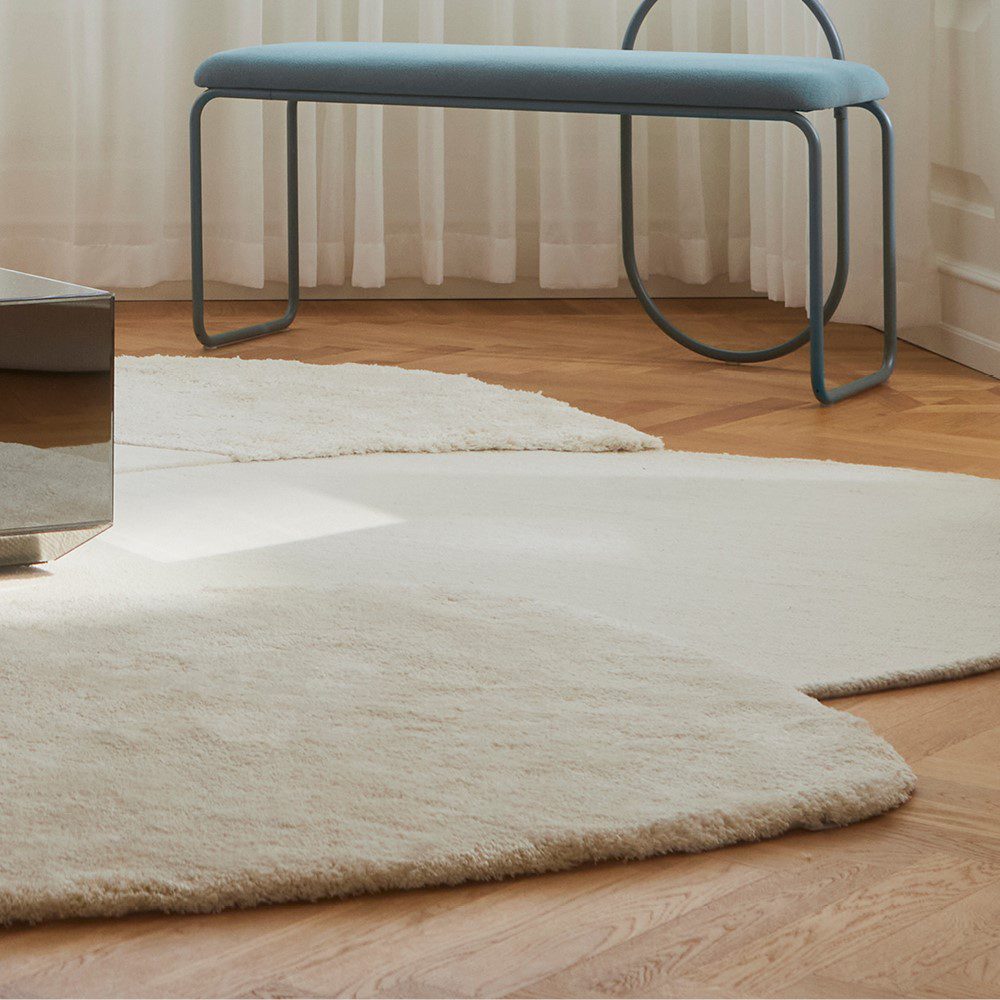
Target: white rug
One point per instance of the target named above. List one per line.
(172, 740)
(257, 410)
(830, 578)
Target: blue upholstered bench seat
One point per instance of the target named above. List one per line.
(515, 73)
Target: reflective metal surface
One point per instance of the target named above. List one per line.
(44, 546)
(56, 401)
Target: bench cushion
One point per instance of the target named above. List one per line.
(534, 73)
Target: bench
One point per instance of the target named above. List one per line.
(621, 82)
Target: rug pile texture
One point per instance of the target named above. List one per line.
(257, 410)
(302, 678)
(294, 743)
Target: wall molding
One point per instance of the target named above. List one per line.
(967, 272)
(963, 346)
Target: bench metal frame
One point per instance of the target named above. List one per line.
(821, 307)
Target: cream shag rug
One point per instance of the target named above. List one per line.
(257, 410)
(174, 742)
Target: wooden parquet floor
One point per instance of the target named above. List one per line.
(904, 905)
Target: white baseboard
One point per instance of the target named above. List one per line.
(969, 331)
(963, 346)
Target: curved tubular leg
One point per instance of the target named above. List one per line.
(816, 8)
(197, 253)
(707, 350)
(843, 212)
(889, 338)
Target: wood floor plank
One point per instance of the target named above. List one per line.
(900, 905)
(974, 761)
(940, 726)
(651, 965)
(976, 978)
(828, 986)
(428, 936)
(557, 919)
(914, 958)
(825, 940)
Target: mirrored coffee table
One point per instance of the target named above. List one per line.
(56, 416)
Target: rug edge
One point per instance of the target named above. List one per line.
(897, 679)
(891, 789)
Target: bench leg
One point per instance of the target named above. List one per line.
(821, 390)
(197, 253)
(707, 350)
(820, 311)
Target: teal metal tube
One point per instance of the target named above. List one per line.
(213, 340)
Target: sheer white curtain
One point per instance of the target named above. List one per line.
(93, 153)
(896, 37)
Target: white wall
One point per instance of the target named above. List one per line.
(966, 182)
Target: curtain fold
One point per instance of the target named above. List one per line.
(93, 153)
